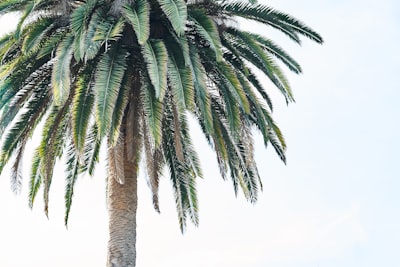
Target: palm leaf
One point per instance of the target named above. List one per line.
(61, 75)
(279, 20)
(153, 110)
(156, 57)
(109, 74)
(181, 83)
(176, 12)
(72, 175)
(139, 17)
(35, 34)
(82, 106)
(207, 29)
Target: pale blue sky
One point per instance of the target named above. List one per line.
(336, 203)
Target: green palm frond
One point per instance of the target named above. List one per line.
(156, 57)
(52, 144)
(72, 172)
(91, 46)
(80, 18)
(278, 52)
(254, 53)
(8, 6)
(23, 128)
(16, 170)
(119, 108)
(202, 96)
(50, 43)
(234, 86)
(35, 34)
(176, 12)
(207, 29)
(35, 180)
(279, 20)
(181, 83)
(181, 174)
(139, 17)
(109, 30)
(153, 110)
(61, 75)
(82, 106)
(27, 11)
(108, 78)
(91, 150)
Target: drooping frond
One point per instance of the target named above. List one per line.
(153, 111)
(181, 83)
(206, 29)
(22, 129)
(52, 144)
(156, 57)
(202, 96)
(176, 12)
(254, 53)
(35, 34)
(139, 17)
(72, 172)
(279, 20)
(82, 106)
(61, 75)
(79, 24)
(108, 78)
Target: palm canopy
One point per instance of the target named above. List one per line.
(77, 66)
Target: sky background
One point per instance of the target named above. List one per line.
(336, 203)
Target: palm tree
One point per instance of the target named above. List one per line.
(132, 72)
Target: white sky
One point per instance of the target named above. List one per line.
(336, 203)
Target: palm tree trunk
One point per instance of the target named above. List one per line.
(122, 207)
(122, 192)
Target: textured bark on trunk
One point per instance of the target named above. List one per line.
(122, 198)
(122, 207)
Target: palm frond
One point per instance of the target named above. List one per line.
(61, 75)
(278, 52)
(91, 150)
(89, 42)
(52, 144)
(207, 29)
(80, 18)
(139, 17)
(35, 34)
(35, 180)
(279, 20)
(181, 83)
(156, 57)
(153, 110)
(22, 129)
(202, 96)
(252, 52)
(154, 163)
(71, 177)
(108, 78)
(82, 106)
(27, 11)
(176, 12)
(16, 170)
(8, 6)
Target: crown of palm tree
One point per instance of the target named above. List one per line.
(79, 65)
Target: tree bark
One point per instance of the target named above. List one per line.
(122, 207)
(122, 193)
